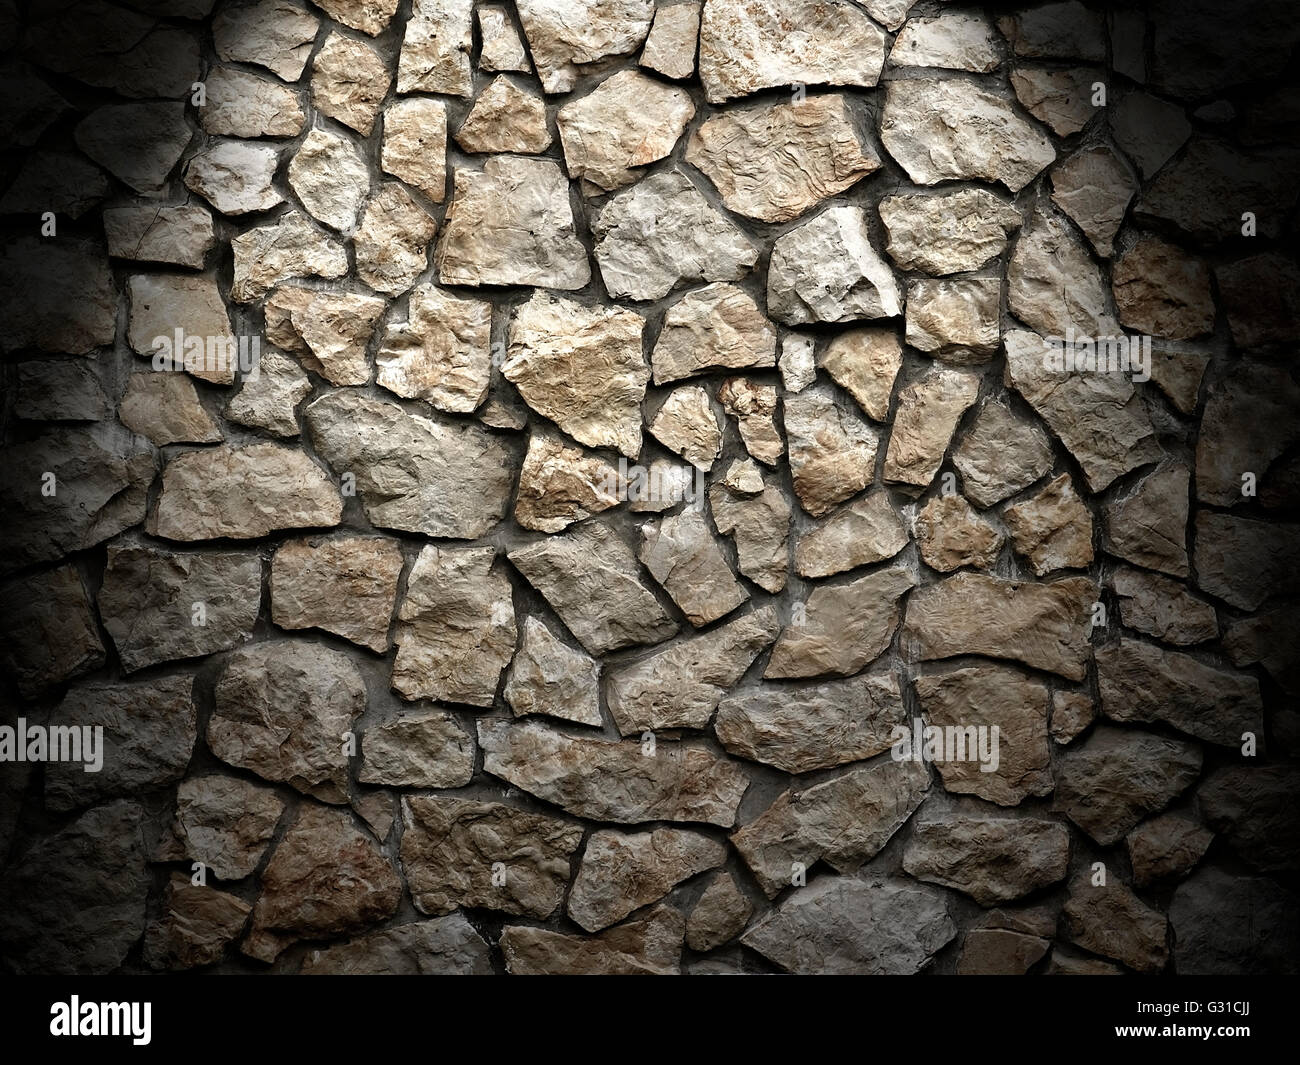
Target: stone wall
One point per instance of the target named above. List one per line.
(519, 486)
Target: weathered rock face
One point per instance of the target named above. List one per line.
(1165, 847)
(955, 41)
(670, 47)
(947, 232)
(1242, 561)
(440, 354)
(427, 749)
(1164, 608)
(1094, 187)
(687, 424)
(950, 534)
(392, 240)
(225, 822)
(566, 35)
(549, 677)
(196, 925)
(991, 859)
(1225, 924)
(956, 321)
(329, 175)
(720, 915)
(1248, 425)
(270, 400)
(718, 326)
(436, 48)
(559, 485)
(348, 82)
(1148, 526)
(1000, 454)
(865, 362)
(243, 104)
(999, 952)
(1053, 285)
(49, 630)
(327, 331)
(444, 946)
(647, 946)
(415, 144)
(505, 118)
(861, 532)
(1052, 529)
(832, 451)
(288, 247)
(759, 526)
(346, 586)
(1115, 923)
(684, 558)
(927, 416)
(753, 406)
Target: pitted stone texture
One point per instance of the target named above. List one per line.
(759, 525)
(645, 946)
(670, 47)
(947, 232)
(549, 677)
(991, 859)
(345, 585)
(719, 326)
(566, 35)
(832, 450)
(682, 555)
(753, 405)
(445, 946)
(953, 41)
(436, 48)
(243, 104)
(440, 353)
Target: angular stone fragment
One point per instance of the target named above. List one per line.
(720, 914)
(663, 232)
(60, 296)
(148, 737)
(281, 710)
(625, 123)
(1162, 291)
(715, 327)
(271, 33)
(414, 473)
(559, 485)
(826, 270)
(162, 304)
(1114, 778)
(502, 48)
(807, 727)
(323, 857)
(687, 424)
(225, 822)
(1226, 925)
(591, 579)
(989, 698)
(798, 361)
(288, 247)
(456, 627)
(947, 232)
(778, 161)
(242, 104)
(991, 859)
(680, 686)
(547, 676)
(1099, 416)
(195, 926)
(670, 47)
(1052, 529)
(760, 526)
(616, 782)
(179, 236)
(1053, 285)
(864, 531)
(369, 16)
(1060, 98)
(1148, 527)
(436, 48)
(1177, 369)
(940, 129)
(950, 534)
(1045, 625)
(623, 871)
(346, 586)
(1115, 923)
(581, 367)
(957, 321)
(842, 821)
(444, 946)
(1165, 847)
(746, 47)
(682, 555)
(743, 477)
(1255, 810)
(832, 451)
(349, 81)
(843, 626)
(753, 405)
(1249, 422)
(1056, 31)
(1272, 640)
(269, 399)
(139, 144)
(330, 177)
(1163, 608)
(505, 118)
(999, 952)
(565, 35)
(864, 362)
(440, 354)
(165, 409)
(953, 41)
(424, 749)
(647, 946)
(392, 240)
(415, 144)
(1094, 187)
(927, 416)
(57, 391)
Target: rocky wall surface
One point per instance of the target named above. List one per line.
(544, 487)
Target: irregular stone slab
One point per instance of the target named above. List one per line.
(376, 809)
(1115, 923)
(864, 531)
(746, 47)
(687, 424)
(1248, 423)
(1053, 285)
(559, 485)
(1272, 640)
(1243, 561)
(162, 304)
(581, 367)
(1045, 626)
(625, 123)
(1259, 294)
(648, 946)
(415, 144)
(721, 913)
(195, 926)
(1115, 777)
(753, 405)
(140, 144)
(1148, 527)
(1255, 810)
(441, 353)
(680, 686)
(591, 579)
(502, 48)
(663, 232)
(243, 104)
(392, 240)
(326, 858)
(564, 35)
(682, 555)
(281, 710)
(843, 627)
(1098, 416)
(436, 48)
(999, 952)
(45, 391)
(827, 271)
(623, 871)
(927, 416)
(61, 296)
(778, 161)
(1164, 608)
(77, 897)
(1094, 188)
(511, 224)
(616, 782)
(179, 236)
(444, 946)
(225, 822)
(953, 41)
(1052, 529)
(346, 586)
(1148, 130)
(957, 321)
(842, 821)
(864, 362)
(1230, 925)
(1177, 370)
(148, 736)
(269, 400)
(456, 627)
(1060, 98)
(947, 232)
(1166, 847)
(716, 327)
(547, 676)
(271, 33)
(806, 727)
(1056, 31)
(330, 177)
(759, 525)
(798, 362)
(1065, 963)
(288, 247)
(349, 81)
(369, 16)
(670, 47)
(505, 118)
(832, 451)
(950, 534)
(414, 473)
(165, 409)
(940, 129)
(149, 598)
(991, 859)
(1161, 290)
(989, 698)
